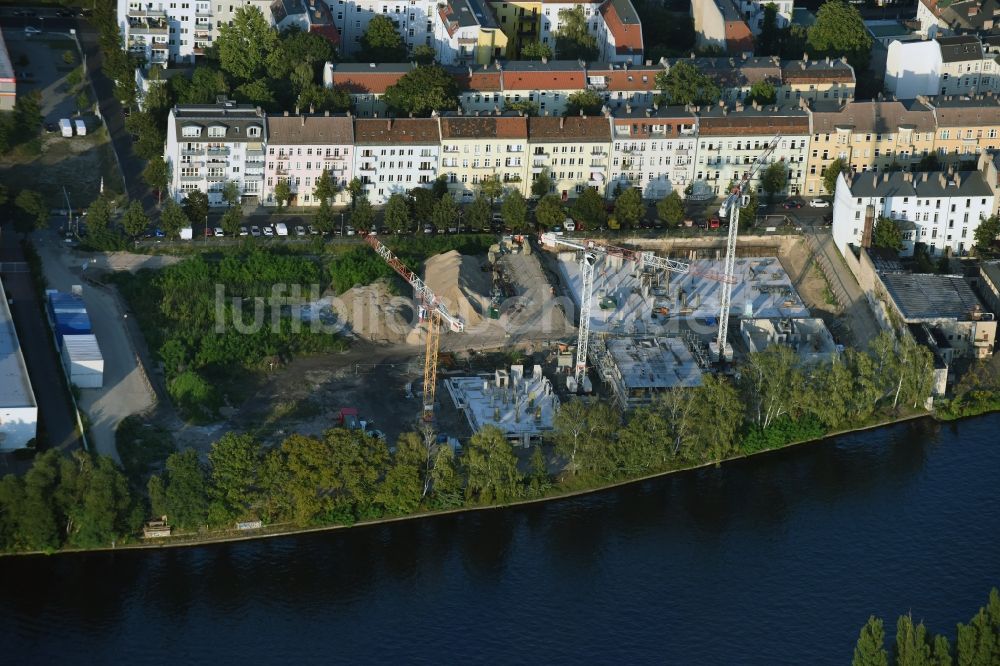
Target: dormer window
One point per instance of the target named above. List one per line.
(191, 131)
(253, 131)
(216, 131)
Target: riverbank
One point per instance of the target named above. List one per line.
(289, 529)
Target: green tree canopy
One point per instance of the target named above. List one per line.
(514, 210)
(397, 213)
(187, 490)
(584, 102)
(172, 219)
(381, 41)
(196, 206)
(549, 211)
(445, 213)
(477, 215)
(762, 92)
(235, 462)
(245, 43)
(135, 221)
(156, 176)
(491, 467)
(204, 86)
(839, 30)
(774, 179)
(318, 99)
(573, 40)
(629, 208)
(541, 184)
(363, 215)
(422, 202)
(32, 211)
(491, 188)
(887, 234)
(535, 51)
(685, 84)
(986, 233)
(423, 54)
(870, 650)
(768, 42)
(283, 193)
(834, 169)
(589, 208)
(670, 209)
(326, 188)
(422, 90)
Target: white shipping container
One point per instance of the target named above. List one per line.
(81, 127)
(65, 127)
(83, 361)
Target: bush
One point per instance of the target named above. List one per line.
(783, 431)
(193, 396)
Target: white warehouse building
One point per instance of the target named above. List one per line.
(940, 209)
(18, 409)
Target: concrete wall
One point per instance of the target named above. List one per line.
(913, 68)
(708, 23)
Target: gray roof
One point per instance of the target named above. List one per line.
(884, 117)
(469, 13)
(959, 48)
(965, 111)
(991, 269)
(310, 129)
(372, 68)
(930, 185)
(236, 118)
(15, 387)
(539, 66)
(922, 296)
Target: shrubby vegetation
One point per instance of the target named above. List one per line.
(177, 310)
(978, 641)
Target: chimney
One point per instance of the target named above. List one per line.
(924, 177)
(470, 70)
(388, 124)
(296, 109)
(326, 114)
(628, 109)
(562, 122)
(302, 121)
(312, 109)
(805, 57)
(942, 180)
(545, 60)
(739, 107)
(286, 114)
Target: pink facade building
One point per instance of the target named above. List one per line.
(300, 147)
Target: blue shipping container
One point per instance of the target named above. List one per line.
(60, 302)
(72, 323)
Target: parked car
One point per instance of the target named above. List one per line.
(348, 230)
(158, 233)
(428, 229)
(64, 13)
(819, 203)
(219, 232)
(714, 222)
(268, 231)
(255, 230)
(792, 205)
(51, 127)
(313, 230)
(300, 230)
(32, 30)
(209, 232)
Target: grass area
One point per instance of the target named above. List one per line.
(142, 447)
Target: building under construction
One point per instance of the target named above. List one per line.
(636, 369)
(523, 407)
(809, 338)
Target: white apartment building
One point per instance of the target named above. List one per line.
(300, 148)
(475, 149)
(575, 152)
(653, 151)
(165, 31)
(753, 13)
(394, 155)
(614, 23)
(413, 18)
(956, 65)
(729, 140)
(210, 144)
(940, 209)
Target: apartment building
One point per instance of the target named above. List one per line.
(545, 83)
(164, 31)
(652, 150)
(210, 144)
(394, 155)
(816, 80)
(414, 19)
(620, 34)
(366, 83)
(870, 136)
(475, 149)
(466, 32)
(753, 13)
(940, 209)
(720, 24)
(731, 139)
(8, 82)
(300, 148)
(940, 17)
(307, 16)
(956, 65)
(966, 127)
(573, 151)
(480, 89)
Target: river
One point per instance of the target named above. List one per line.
(777, 559)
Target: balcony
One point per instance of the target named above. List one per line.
(218, 152)
(147, 25)
(281, 170)
(255, 171)
(255, 152)
(189, 179)
(216, 178)
(192, 151)
(334, 158)
(254, 164)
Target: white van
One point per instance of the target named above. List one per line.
(65, 127)
(81, 127)
(281, 229)
(569, 224)
(186, 233)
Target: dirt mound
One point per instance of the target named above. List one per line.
(372, 313)
(461, 283)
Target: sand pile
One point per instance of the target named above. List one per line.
(461, 283)
(372, 313)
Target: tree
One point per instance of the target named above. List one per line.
(840, 30)
(235, 462)
(135, 221)
(204, 87)
(245, 43)
(172, 219)
(422, 90)
(156, 176)
(231, 221)
(381, 42)
(422, 202)
(549, 211)
(717, 402)
(583, 435)
(887, 234)
(524, 107)
(979, 641)
(397, 213)
(629, 208)
(573, 40)
(445, 213)
(283, 193)
(584, 103)
(355, 188)
(402, 489)
(187, 491)
(833, 170)
(196, 206)
(683, 84)
(541, 184)
(257, 93)
(319, 99)
(439, 187)
(769, 39)
(324, 217)
(670, 209)
(491, 188)
(231, 192)
(363, 215)
(302, 76)
(491, 468)
(774, 179)
(33, 212)
(870, 650)
(306, 47)
(986, 233)
(39, 521)
(539, 480)
(770, 379)
(325, 188)
(11, 508)
(912, 648)
(477, 215)
(762, 92)
(589, 209)
(535, 51)
(514, 210)
(423, 54)
(446, 484)
(105, 505)
(748, 213)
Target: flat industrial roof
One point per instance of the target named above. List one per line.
(654, 363)
(922, 296)
(15, 386)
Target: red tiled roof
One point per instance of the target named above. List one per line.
(738, 37)
(544, 80)
(628, 37)
(482, 80)
(486, 127)
(328, 32)
(396, 130)
(571, 128)
(631, 79)
(365, 82)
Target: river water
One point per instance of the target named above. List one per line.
(774, 560)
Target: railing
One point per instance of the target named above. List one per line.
(218, 151)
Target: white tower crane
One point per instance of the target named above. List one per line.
(731, 207)
(590, 249)
(431, 309)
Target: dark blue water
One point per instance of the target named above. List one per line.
(776, 560)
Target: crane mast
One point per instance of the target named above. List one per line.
(731, 206)
(432, 310)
